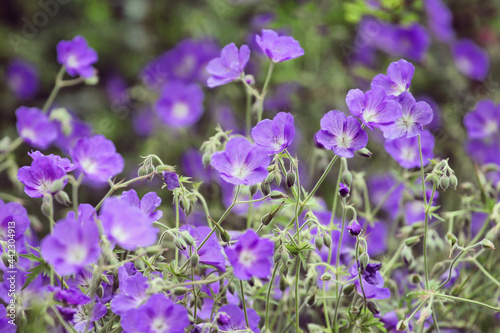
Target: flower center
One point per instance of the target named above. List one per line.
(240, 171)
(180, 110)
(77, 253)
(72, 61)
(408, 153)
(159, 325)
(491, 127)
(28, 133)
(89, 165)
(464, 64)
(344, 141)
(247, 258)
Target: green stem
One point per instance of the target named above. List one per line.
(244, 304)
(297, 298)
(248, 112)
(483, 229)
(426, 227)
(268, 297)
(422, 171)
(359, 268)
(76, 185)
(484, 305)
(485, 272)
(344, 211)
(55, 90)
(176, 199)
(335, 197)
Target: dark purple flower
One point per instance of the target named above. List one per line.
(373, 282)
(278, 48)
(132, 292)
(126, 225)
(343, 190)
(62, 162)
(35, 128)
(251, 256)
(186, 62)
(241, 162)
(158, 315)
(354, 228)
(40, 177)
(440, 20)
(411, 123)
(484, 121)
(231, 318)
(411, 41)
(74, 242)
(180, 104)
(72, 296)
(7, 323)
(229, 66)
(397, 80)
(211, 252)
(373, 108)
(171, 180)
(471, 60)
(148, 204)
(22, 79)
(275, 135)
(77, 57)
(406, 151)
(341, 134)
(484, 151)
(280, 98)
(97, 158)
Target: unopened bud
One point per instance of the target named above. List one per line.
(349, 290)
(188, 238)
(410, 241)
(326, 277)
(195, 259)
(453, 181)
(327, 240)
(311, 299)
(452, 238)
(270, 178)
(56, 186)
(179, 291)
(63, 198)
(373, 307)
(487, 244)
(266, 219)
(277, 179)
(277, 195)
(47, 209)
(249, 79)
(364, 152)
(285, 257)
(180, 243)
(291, 176)
(407, 255)
(231, 289)
(444, 182)
(253, 190)
(265, 188)
(415, 278)
(347, 177)
(401, 326)
(318, 242)
(283, 284)
(93, 80)
(150, 169)
(142, 171)
(363, 260)
(225, 236)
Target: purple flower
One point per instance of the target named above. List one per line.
(14, 217)
(411, 42)
(97, 158)
(484, 121)
(211, 252)
(180, 104)
(35, 128)
(7, 325)
(70, 129)
(192, 166)
(74, 242)
(274, 135)
(411, 123)
(251, 256)
(229, 66)
(406, 151)
(62, 162)
(171, 180)
(278, 48)
(22, 79)
(373, 282)
(231, 318)
(41, 175)
(132, 292)
(341, 134)
(148, 204)
(354, 228)
(471, 60)
(77, 57)
(373, 108)
(83, 322)
(127, 225)
(343, 190)
(397, 80)
(157, 315)
(72, 296)
(440, 20)
(242, 162)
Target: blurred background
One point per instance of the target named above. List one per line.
(142, 44)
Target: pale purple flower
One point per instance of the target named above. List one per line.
(35, 128)
(484, 121)
(341, 134)
(397, 80)
(373, 107)
(373, 282)
(251, 256)
(148, 204)
(229, 66)
(410, 41)
(406, 151)
(77, 57)
(39, 177)
(230, 318)
(83, 322)
(158, 315)
(471, 60)
(132, 291)
(74, 242)
(97, 158)
(274, 135)
(440, 20)
(63, 162)
(7, 325)
(411, 123)
(22, 79)
(180, 104)
(72, 296)
(171, 180)
(70, 129)
(14, 217)
(278, 48)
(241, 163)
(211, 251)
(126, 225)
(192, 166)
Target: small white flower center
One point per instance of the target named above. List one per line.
(180, 110)
(240, 171)
(408, 153)
(77, 253)
(406, 121)
(72, 61)
(344, 141)
(247, 258)
(159, 325)
(28, 133)
(491, 127)
(89, 165)
(464, 64)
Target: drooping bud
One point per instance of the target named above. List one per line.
(225, 236)
(270, 178)
(63, 198)
(277, 195)
(347, 177)
(266, 219)
(142, 171)
(56, 186)
(410, 241)
(180, 243)
(407, 255)
(354, 228)
(363, 260)
(188, 238)
(318, 242)
(179, 291)
(343, 190)
(453, 181)
(265, 188)
(487, 244)
(444, 182)
(195, 259)
(452, 239)
(47, 209)
(349, 290)
(364, 152)
(373, 307)
(401, 326)
(327, 239)
(253, 190)
(291, 177)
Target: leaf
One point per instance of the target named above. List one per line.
(34, 272)
(32, 257)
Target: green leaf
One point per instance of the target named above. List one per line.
(34, 272)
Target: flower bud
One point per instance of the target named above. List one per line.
(453, 181)
(270, 178)
(347, 177)
(56, 186)
(142, 171)
(47, 209)
(195, 259)
(249, 79)
(373, 307)
(277, 179)
(266, 219)
(444, 182)
(276, 256)
(180, 243)
(179, 291)
(487, 244)
(343, 190)
(363, 260)
(284, 270)
(225, 236)
(277, 195)
(410, 241)
(349, 290)
(326, 277)
(401, 326)
(311, 300)
(93, 80)
(364, 152)
(285, 257)
(265, 188)
(150, 169)
(327, 239)
(253, 190)
(63, 198)
(407, 255)
(283, 284)
(291, 176)
(231, 289)
(415, 278)
(452, 239)
(188, 238)
(318, 242)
